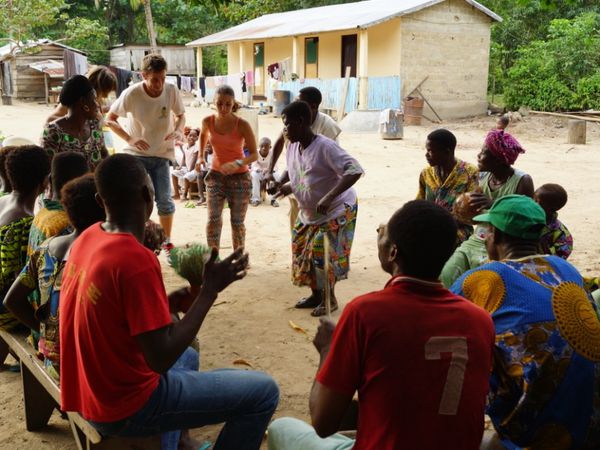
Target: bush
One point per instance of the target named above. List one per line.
(559, 73)
(588, 92)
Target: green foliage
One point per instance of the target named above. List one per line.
(588, 91)
(90, 36)
(19, 19)
(547, 73)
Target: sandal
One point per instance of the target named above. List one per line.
(321, 310)
(307, 302)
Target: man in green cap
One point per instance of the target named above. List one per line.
(544, 388)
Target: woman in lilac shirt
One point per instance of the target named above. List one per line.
(320, 174)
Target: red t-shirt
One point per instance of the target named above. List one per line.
(420, 358)
(112, 291)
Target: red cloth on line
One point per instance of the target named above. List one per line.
(112, 291)
(395, 347)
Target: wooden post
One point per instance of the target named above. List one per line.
(577, 131)
(342, 105)
(199, 68)
(363, 69)
(46, 87)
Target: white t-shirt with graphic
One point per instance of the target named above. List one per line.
(150, 118)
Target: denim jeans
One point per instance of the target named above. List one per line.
(185, 399)
(158, 169)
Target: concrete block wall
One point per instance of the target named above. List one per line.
(450, 43)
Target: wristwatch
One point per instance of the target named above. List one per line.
(239, 162)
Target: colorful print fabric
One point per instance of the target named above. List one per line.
(556, 239)
(13, 254)
(544, 390)
(462, 179)
(55, 140)
(308, 250)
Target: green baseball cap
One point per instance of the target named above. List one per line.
(515, 215)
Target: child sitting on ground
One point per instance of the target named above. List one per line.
(502, 122)
(555, 238)
(186, 171)
(202, 169)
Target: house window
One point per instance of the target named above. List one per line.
(311, 57)
(259, 69)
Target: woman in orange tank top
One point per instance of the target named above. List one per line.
(228, 178)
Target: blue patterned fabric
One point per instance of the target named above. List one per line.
(544, 389)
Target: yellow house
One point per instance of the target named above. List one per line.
(389, 46)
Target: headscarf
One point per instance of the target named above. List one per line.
(503, 146)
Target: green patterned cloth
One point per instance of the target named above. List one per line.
(13, 255)
(55, 140)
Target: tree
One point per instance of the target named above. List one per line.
(90, 36)
(19, 19)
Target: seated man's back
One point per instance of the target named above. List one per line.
(419, 357)
(545, 386)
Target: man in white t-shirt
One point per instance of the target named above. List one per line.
(321, 124)
(156, 117)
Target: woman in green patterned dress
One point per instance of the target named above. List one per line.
(27, 169)
(80, 130)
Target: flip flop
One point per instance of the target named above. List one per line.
(190, 205)
(307, 302)
(321, 311)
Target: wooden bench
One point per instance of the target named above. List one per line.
(42, 395)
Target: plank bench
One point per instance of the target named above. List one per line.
(42, 395)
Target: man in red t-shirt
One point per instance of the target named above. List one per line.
(121, 354)
(418, 355)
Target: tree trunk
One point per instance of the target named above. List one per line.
(150, 26)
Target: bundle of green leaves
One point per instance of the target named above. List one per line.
(188, 261)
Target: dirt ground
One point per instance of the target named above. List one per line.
(250, 320)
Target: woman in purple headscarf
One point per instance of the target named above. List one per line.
(497, 179)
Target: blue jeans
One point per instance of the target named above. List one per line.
(184, 399)
(158, 169)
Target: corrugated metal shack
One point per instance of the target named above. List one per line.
(181, 60)
(19, 79)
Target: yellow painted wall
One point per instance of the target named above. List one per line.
(233, 57)
(384, 49)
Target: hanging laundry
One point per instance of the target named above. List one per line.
(273, 70)
(250, 78)
(123, 78)
(285, 69)
(75, 63)
(186, 84)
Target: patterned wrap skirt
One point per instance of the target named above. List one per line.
(308, 252)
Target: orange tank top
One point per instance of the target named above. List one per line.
(226, 147)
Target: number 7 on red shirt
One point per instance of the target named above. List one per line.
(457, 347)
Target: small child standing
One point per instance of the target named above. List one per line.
(186, 171)
(259, 171)
(555, 238)
(502, 122)
(202, 169)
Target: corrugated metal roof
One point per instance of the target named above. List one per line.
(7, 49)
(322, 19)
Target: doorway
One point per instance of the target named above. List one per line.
(259, 69)
(349, 45)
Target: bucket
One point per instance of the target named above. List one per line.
(280, 100)
(413, 110)
(391, 124)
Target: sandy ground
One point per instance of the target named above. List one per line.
(250, 321)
